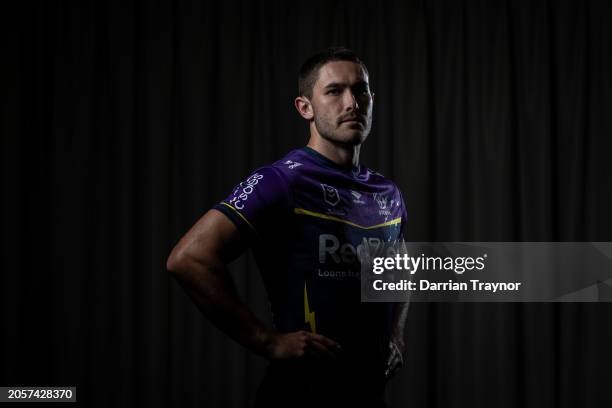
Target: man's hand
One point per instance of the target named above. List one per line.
(301, 344)
(395, 359)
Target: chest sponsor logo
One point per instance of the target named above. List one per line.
(330, 194)
(332, 249)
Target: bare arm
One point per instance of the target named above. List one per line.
(199, 263)
(400, 312)
(397, 346)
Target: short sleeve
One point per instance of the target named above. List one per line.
(256, 204)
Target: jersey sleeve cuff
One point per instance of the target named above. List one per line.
(243, 225)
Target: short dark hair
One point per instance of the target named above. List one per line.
(309, 72)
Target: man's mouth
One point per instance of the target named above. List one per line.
(361, 121)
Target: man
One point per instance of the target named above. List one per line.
(305, 217)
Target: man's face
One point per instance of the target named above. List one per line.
(342, 103)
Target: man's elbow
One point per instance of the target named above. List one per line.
(183, 263)
(177, 262)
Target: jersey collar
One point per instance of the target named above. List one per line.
(327, 162)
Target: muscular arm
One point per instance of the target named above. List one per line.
(199, 263)
(397, 345)
(400, 312)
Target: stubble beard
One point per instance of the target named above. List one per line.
(330, 131)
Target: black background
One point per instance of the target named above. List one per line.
(123, 122)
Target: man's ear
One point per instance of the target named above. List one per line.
(304, 107)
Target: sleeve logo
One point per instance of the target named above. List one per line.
(243, 191)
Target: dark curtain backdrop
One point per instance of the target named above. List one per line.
(123, 122)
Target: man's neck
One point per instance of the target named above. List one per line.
(344, 155)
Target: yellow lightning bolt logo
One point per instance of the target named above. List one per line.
(309, 317)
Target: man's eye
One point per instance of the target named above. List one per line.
(333, 92)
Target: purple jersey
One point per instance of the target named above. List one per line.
(305, 216)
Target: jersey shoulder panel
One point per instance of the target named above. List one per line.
(292, 166)
(256, 202)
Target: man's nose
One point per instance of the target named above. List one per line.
(350, 101)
